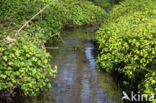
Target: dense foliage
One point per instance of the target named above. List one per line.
(106, 4)
(84, 12)
(24, 63)
(65, 12)
(127, 44)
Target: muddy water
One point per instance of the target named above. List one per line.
(78, 80)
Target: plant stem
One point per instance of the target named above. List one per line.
(34, 17)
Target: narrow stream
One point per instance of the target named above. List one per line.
(78, 80)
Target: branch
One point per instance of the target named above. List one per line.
(26, 23)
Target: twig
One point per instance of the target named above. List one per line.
(74, 3)
(54, 36)
(52, 47)
(26, 23)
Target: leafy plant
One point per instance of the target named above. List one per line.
(84, 12)
(24, 66)
(24, 63)
(127, 42)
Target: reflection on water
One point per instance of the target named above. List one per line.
(77, 80)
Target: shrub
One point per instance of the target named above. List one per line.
(18, 10)
(127, 41)
(56, 20)
(128, 8)
(106, 4)
(24, 59)
(148, 85)
(24, 66)
(84, 12)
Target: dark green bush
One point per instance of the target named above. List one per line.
(84, 12)
(128, 8)
(18, 10)
(106, 4)
(130, 44)
(56, 20)
(24, 65)
(23, 58)
(127, 41)
(148, 85)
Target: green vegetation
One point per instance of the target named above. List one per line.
(106, 4)
(24, 63)
(85, 12)
(127, 44)
(127, 41)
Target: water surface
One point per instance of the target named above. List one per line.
(78, 80)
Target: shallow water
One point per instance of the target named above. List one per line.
(78, 80)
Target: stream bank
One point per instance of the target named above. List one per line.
(78, 80)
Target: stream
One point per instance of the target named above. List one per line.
(78, 80)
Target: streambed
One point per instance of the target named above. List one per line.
(78, 80)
